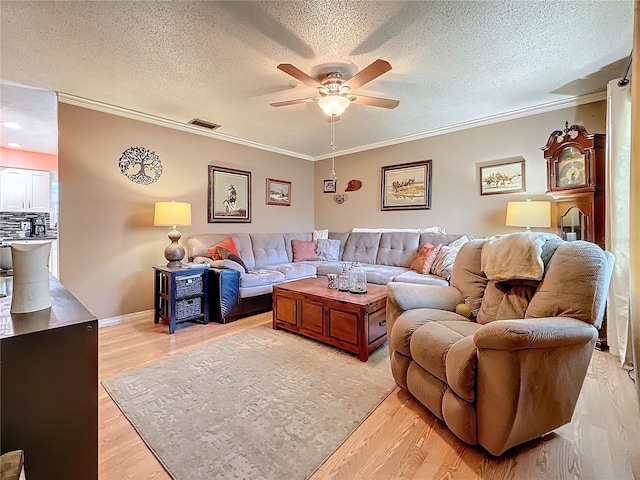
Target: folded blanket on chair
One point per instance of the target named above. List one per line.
(515, 256)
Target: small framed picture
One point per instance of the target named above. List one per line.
(502, 176)
(278, 192)
(329, 186)
(229, 196)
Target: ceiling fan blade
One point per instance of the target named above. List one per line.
(294, 102)
(375, 101)
(367, 74)
(299, 74)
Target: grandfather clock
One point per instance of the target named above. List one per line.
(576, 181)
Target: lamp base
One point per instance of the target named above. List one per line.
(174, 253)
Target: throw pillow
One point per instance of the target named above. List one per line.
(443, 263)
(328, 250)
(303, 251)
(226, 254)
(423, 261)
(318, 234)
(227, 243)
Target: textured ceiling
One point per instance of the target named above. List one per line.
(453, 61)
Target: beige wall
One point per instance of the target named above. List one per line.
(456, 201)
(108, 243)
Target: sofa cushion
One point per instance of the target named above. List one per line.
(461, 364)
(409, 321)
(268, 249)
(436, 238)
(229, 255)
(293, 270)
(382, 274)
(305, 236)
(199, 244)
(567, 287)
(504, 301)
(304, 251)
(261, 277)
(318, 234)
(324, 268)
(397, 249)
(328, 250)
(342, 236)
(362, 245)
(411, 276)
(467, 275)
(227, 244)
(431, 342)
(425, 257)
(443, 264)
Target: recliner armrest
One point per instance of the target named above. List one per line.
(408, 296)
(528, 333)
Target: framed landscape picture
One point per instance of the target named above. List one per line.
(505, 177)
(406, 186)
(278, 192)
(229, 196)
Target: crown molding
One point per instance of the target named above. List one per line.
(501, 117)
(165, 122)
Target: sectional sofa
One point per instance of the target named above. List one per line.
(269, 260)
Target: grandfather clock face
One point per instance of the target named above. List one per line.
(570, 168)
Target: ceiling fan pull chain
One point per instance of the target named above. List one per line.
(333, 149)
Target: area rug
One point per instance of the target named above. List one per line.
(261, 404)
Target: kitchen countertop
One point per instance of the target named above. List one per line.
(22, 239)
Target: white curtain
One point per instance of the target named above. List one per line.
(618, 218)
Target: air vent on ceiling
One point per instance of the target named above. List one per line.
(204, 124)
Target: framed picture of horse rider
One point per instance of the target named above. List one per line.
(502, 176)
(229, 196)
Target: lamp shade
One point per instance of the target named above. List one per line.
(334, 104)
(529, 214)
(172, 214)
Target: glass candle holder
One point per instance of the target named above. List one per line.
(343, 282)
(332, 280)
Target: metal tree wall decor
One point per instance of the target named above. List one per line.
(140, 165)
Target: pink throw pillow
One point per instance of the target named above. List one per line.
(303, 251)
(423, 261)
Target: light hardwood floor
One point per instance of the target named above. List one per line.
(400, 439)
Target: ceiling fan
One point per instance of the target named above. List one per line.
(334, 93)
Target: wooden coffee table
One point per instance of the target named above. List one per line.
(350, 321)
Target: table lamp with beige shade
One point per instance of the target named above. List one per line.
(529, 214)
(173, 214)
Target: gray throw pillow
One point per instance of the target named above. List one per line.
(443, 264)
(328, 250)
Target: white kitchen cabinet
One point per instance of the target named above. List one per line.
(24, 190)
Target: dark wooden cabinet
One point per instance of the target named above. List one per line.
(49, 387)
(576, 181)
(353, 322)
(181, 295)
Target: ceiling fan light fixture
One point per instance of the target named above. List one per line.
(334, 105)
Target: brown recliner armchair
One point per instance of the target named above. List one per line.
(513, 370)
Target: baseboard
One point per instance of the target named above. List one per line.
(129, 317)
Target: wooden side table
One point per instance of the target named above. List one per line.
(180, 295)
